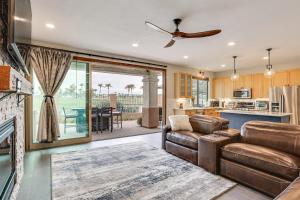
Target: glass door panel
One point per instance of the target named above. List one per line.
(182, 85)
(71, 100)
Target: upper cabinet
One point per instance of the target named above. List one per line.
(222, 88)
(244, 81)
(218, 88)
(280, 79)
(228, 87)
(295, 77)
(260, 86)
(183, 85)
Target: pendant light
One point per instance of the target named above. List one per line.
(269, 68)
(234, 75)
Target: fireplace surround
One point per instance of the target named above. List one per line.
(7, 158)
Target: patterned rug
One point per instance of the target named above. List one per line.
(132, 171)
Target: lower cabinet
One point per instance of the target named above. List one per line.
(202, 111)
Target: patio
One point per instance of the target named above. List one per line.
(130, 128)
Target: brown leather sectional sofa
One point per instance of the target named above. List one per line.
(265, 156)
(184, 144)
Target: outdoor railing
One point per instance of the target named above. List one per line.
(131, 104)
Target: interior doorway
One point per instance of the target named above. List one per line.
(126, 101)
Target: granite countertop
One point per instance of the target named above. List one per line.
(263, 113)
(198, 108)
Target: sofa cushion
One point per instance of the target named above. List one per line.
(185, 138)
(207, 124)
(263, 158)
(180, 151)
(180, 123)
(279, 136)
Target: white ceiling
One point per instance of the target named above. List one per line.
(113, 25)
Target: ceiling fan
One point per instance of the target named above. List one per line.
(181, 35)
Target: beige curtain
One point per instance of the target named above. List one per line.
(50, 67)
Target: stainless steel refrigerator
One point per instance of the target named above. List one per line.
(286, 99)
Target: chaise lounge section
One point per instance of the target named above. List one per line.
(266, 157)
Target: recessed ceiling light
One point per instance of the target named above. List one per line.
(265, 58)
(185, 57)
(231, 43)
(19, 19)
(135, 44)
(51, 26)
(223, 65)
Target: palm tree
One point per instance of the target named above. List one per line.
(127, 87)
(132, 86)
(100, 86)
(108, 85)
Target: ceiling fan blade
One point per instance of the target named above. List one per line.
(170, 43)
(153, 26)
(200, 34)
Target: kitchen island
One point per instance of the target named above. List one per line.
(238, 117)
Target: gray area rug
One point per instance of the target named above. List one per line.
(132, 171)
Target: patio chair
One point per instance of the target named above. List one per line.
(95, 119)
(118, 113)
(160, 112)
(106, 112)
(69, 116)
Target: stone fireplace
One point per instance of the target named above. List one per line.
(7, 158)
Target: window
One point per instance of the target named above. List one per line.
(200, 92)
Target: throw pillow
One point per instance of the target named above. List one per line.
(180, 123)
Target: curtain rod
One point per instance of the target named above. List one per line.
(94, 55)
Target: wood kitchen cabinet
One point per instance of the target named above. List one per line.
(244, 81)
(267, 83)
(228, 88)
(200, 111)
(183, 85)
(260, 86)
(295, 77)
(211, 112)
(280, 79)
(222, 88)
(218, 88)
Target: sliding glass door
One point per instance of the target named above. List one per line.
(72, 103)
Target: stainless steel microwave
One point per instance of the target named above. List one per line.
(244, 93)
